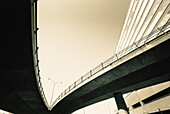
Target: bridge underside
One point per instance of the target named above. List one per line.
(18, 90)
(146, 69)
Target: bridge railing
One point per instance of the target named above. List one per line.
(154, 35)
(136, 45)
(35, 51)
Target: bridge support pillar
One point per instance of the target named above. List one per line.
(121, 105)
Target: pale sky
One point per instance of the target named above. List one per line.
(74, 37)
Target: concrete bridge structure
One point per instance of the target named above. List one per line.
(19, 90)
(144, 63)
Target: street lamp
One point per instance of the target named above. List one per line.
(53, 88)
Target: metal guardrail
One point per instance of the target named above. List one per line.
(35, 51)
(136, 45)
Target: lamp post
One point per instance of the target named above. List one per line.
(53, 89)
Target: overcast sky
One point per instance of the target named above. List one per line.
(75, 36)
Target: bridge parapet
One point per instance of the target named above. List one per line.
(104, 66)
(35, 50)
(153, 36)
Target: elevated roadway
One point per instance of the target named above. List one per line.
(146, 65)
(18, 85)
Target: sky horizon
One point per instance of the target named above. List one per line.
(76, 36)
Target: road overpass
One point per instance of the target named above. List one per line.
(19, 92)
(143, 64)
